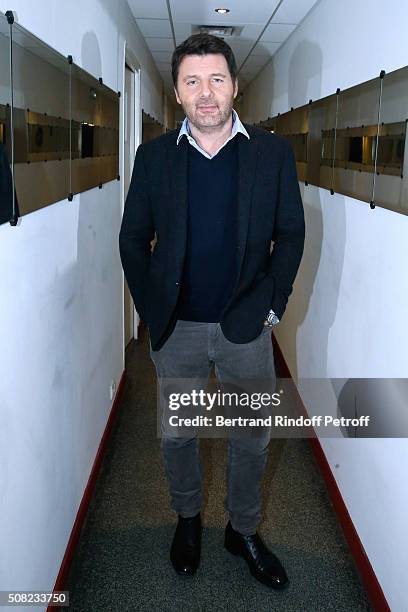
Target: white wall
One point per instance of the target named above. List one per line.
(61, 316)
(347, 316)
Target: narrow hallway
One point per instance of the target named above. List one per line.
(122, 561)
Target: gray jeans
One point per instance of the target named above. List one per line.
(190, 352)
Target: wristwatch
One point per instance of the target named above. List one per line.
(271, 320)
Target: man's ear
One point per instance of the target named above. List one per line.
(177, 96)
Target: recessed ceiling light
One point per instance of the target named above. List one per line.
(222, 11)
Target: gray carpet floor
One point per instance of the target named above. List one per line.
(122, 561)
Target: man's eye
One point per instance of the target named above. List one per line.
(192, 82)
(218, 80)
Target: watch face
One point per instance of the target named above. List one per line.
(273, 319)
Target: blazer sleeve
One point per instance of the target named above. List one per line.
(136, 233)
(289, 233)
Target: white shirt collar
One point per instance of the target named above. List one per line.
(237, 127)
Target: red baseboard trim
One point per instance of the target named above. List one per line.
(362, 562)
(89, 489)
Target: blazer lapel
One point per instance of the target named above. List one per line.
(247, 161)
(177, 168)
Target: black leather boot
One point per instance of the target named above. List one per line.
(263, 564)
(186, 546)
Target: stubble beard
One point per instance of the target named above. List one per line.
(211, 123)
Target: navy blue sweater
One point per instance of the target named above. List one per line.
(209, 269)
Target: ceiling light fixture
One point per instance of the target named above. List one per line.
(222, 11)
(219, 30)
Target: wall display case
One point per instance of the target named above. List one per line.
(59, 125)
(95, 135)
(40, 83)
(151, 128)
(270, 124)
(354, 141)
(7, 196)
(391, 182)
(357, 121)
(294, 126)
(322, 141)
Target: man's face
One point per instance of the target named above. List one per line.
(206, 90)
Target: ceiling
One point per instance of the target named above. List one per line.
(261, 28)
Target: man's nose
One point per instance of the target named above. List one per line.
(206, 90)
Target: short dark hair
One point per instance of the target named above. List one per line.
(202, 44)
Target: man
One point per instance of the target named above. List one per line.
(215, 194)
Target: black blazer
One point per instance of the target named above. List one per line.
(269, 209)
(6, 188)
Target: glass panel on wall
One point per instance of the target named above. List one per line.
(109, 136)
(269, 124)
(151, 128)
(321, 142)
(294, 127)
(6, 180)
(40, 122)
(356, 132)
(391, 180)
(87, 119)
